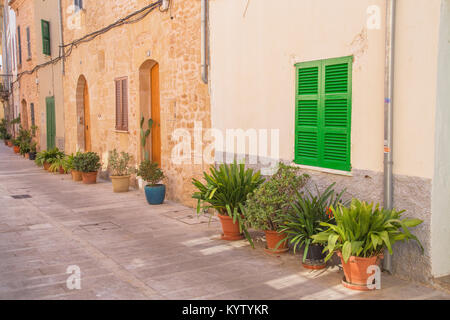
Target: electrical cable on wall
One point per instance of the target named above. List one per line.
(144, 12)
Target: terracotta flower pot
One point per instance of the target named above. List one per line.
(27, 155)
(121, 183)
(89, 177)
(230, 230)
(272, 239)
(46, 166)
(61, 170)
(76, 175)
(16, 149)
(10, 144)
(6, 142)
(355, 271)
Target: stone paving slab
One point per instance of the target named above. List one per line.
(127, 249)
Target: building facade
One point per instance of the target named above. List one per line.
(9, 63)
(38, 89)
(149, 68)
(319, 82)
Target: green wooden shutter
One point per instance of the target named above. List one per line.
(307, 114)
(337, 101)
(51, 122)
(46, 48)
(323, 116)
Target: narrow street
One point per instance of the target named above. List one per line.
(127, 249)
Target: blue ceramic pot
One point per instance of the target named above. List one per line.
(155, 194)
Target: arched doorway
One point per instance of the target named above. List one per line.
(149, 95)
(83, 115)
(24, 115)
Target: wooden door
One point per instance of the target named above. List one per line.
(156, 115)
(51, 122)
(87, 120)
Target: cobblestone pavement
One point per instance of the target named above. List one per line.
(127, 249)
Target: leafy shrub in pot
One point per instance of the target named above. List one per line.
(360, 236)
(88, 164)
(226, 190)
(272, 199)
(119, 165)
(151, 173)
(47, 157)
(69, 166)
(304, 220)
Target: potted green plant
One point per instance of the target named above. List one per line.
(360, 236)
(8, 141)
(88, 164)
(32, 153)
(120, 170)
(304, 219)
(226, 190)
(25, 147)
(69, 166)
(152, 174)
(4, 131)
(58, 164)
(16, 146)
(272, 199)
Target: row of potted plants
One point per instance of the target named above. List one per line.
(85, 166)
(23, 144)
(320, 224)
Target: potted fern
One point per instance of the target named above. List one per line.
(361, 234)
(120, 170)
(58, 164)
(88, 164)
(226, 190)
(304, 219)
(271, 200)
(151, 173)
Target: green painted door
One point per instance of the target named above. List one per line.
(51, 122)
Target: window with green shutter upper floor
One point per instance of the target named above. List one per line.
(46, 37)
(323, 113)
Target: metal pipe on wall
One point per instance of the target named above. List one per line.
(389, 115)
(61, 36)
(204, 41)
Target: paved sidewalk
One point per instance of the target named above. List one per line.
(127, 249)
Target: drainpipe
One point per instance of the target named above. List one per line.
(61, 36)
(389, 116)
(204, 40)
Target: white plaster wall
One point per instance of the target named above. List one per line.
(440, 220)
(254, 49)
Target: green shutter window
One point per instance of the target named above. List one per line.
(46, 37)
(19, 45)
(51, 122)
(323, 113)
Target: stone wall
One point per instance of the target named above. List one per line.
(172, 39)
(27, 90)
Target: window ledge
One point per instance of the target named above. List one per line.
(121, 131)
(324, 170)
